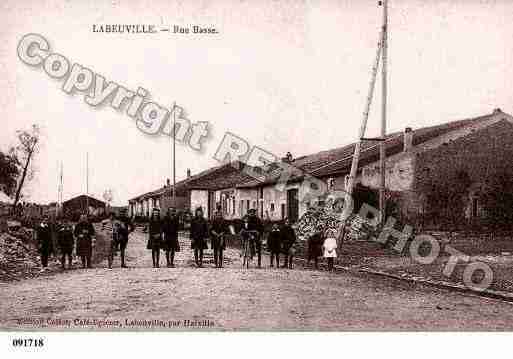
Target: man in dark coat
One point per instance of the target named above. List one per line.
(125, 229)
(255, 224)
(199, 235)
(288, 238)
(171, 244)
(218, 231)
(84, 232)
(274, 245)
(314, 245)
(44, 238)
(155, 237)
(65, 242)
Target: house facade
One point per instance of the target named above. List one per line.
(455, 173)
(82, 204)
(451, 173)
(162, 198)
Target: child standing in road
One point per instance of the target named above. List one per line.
(274, 244)
(330, 247)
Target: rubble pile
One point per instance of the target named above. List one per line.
(322, 219)
(317, 220)
(16, 257)
(24, 234)
(358, 229)
(19, 257)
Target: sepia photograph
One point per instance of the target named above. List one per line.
(255, 166)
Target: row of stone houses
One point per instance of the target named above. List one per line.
(455, 172)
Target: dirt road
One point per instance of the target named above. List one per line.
(189, 298)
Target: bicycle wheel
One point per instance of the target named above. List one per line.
(243, 252)
(247, 254)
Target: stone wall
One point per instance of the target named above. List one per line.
(466, 167)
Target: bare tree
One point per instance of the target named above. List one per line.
(26, 149)
(9, 172)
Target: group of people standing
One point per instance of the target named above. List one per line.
(163, 235)
(281, 240)
(323, 244)
(121, 228)
(67, 236)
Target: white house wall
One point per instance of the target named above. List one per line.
(199, 198)
(400, 173)
(273, 196)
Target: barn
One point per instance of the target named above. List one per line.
(76, 206)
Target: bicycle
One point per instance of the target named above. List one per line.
(248, 238)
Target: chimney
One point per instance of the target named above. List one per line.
(408, 139)
(188, 172)
(238, 165)
(168, 182)
(288, 158)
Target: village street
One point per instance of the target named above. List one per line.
(143, 298)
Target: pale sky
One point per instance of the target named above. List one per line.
(285, 75)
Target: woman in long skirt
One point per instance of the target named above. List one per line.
(199, 235)
(84, 232)
(155, 237)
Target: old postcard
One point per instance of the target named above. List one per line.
(212, 166)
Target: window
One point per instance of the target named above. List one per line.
(331, 183)
(241, 207)
(254, 204)
(475, 207)
(272, 207)
(292, 205)
(283, 214)
(247, 205)
(233, 207)
(224, 204)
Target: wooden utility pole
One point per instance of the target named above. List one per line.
(356, 156)
(58, 207)
(174, 153)
(87, 183)
(380, 55)
(174, 160)
(382, 145)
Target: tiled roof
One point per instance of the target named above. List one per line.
(84, 198)
(338, 161)
(224, 176)
(181, 188)
(321, 164)
(394, 144)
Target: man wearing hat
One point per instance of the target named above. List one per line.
(288, 238)
(155, 237)
(126, 227)
(198, 235)
(170, 229)
(255, 224)
(218, 230)
(44, 237)
(84, 232)
(65, 242)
